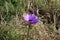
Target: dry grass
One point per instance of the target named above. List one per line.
(14, 27)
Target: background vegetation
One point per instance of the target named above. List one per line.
(13, 27)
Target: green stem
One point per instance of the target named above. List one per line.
(28, 32)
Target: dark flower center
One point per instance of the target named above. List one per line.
(30, 20)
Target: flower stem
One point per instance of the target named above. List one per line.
(28, 32)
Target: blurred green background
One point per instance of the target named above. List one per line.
(13, 27)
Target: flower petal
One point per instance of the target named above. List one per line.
(35, 20)
(26, 17)
(32, 16)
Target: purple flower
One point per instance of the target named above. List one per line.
(30, 18)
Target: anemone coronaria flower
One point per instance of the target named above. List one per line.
(30, 18)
